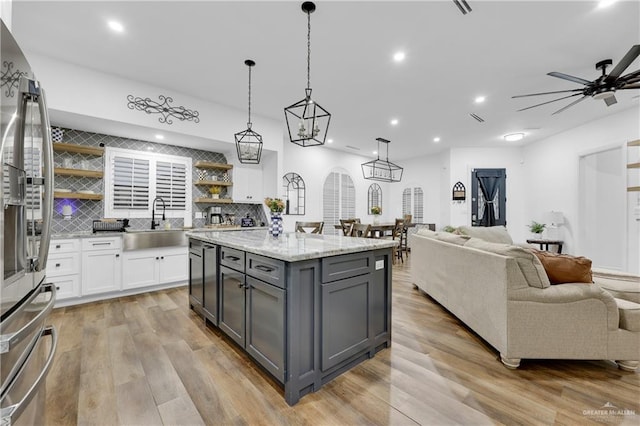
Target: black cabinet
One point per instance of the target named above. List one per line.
(210, 282)
(196, 275)
(232, 303)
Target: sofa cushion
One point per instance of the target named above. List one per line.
(492, 234)
(448, 237)
(425, 232)
(529, 264)
(564, 268)
(621, 285)
(629, 314)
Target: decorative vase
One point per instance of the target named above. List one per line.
(215, 196)
(202, 175)
(376, 219)
(275, 227)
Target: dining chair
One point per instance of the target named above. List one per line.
(399, 235)
(346, 225)
(309, 227)
(362, 230)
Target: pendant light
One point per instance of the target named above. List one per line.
(307, 122)
(248, 142)
(382, 170)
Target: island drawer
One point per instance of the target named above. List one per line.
(266, 269)
(232, 258)
(336, 268)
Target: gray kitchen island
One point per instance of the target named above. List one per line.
(305, 307)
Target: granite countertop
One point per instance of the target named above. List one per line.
(89, 234)
(291, 246)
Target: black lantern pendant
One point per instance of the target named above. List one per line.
(248, 142)
(382, 170)
(307, 121)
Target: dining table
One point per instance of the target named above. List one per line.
(378, 230)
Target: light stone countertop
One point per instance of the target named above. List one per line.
(102, 234)
(291, 246)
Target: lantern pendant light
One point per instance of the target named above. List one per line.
(248, 142)
(382, 170)
(307, 121)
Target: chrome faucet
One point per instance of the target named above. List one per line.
(153, 212)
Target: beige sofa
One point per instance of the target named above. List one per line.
(499, 291)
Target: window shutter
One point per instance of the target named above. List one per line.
(130, 183)
(171, 184)
(418, 205)
(331, 203)
(406, 202)
(348, 195)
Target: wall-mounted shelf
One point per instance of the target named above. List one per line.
(633, 166)
(212, 183)
(78, 149)
(633, 189)
(77, 196)
(205, 200)
(78, 172)
(210, 165)
(634, 143)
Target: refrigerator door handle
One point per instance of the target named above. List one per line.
(9, 340)
(8, 414)
(47, 202)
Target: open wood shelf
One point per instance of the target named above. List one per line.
(633, 189)
(633, 166)
(634, 143)
(78, 172)
(77, 195)
(78, 149)
(205, 200)
(210, 165)
(212, 183)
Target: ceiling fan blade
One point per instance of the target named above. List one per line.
(548, 93)
(631, 56)
(630, 76)
(610, 100)
(569, 77)
(630, 86)
(570, 105)
(548, 102)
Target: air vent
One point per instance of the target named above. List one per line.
(353, 147)
(463, 6)
(477, 117)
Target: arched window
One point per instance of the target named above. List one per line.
(295, 190)
(338, 200)
(374, 197)
(413, 204)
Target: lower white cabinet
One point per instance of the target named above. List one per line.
(101, 265)
(63, 267)
(154, 266)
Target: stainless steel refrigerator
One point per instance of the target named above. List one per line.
(27, 344)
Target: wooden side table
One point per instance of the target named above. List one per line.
(544, 244)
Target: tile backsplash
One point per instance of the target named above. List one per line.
(86, 211)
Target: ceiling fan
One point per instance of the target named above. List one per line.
(604, 87)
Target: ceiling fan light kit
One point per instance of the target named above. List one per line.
(382, 170)
(602, 88)
(248, 142)
(307, 121)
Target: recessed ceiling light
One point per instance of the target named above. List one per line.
(513, 137)
(160, 137)
(394, 122)
(329, 140)
(480, 99)
(116, 26)
(436, 139)
(605, 3)
(375, 152)
(398, 56)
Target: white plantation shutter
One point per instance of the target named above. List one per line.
(348, 196)
(130, 177)
(418, 205)
(406, 202)
(338, 201)
(171, 184)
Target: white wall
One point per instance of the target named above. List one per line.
(5, 12)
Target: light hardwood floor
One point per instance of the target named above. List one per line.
(149, 360)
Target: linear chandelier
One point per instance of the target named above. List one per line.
(307, 121)
(248, 142)
(382, 170)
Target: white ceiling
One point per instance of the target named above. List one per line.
(501, 49)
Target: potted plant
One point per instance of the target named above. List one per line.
(536, 229)
(376, 211)
(215, 192)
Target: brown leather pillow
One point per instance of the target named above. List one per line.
(563, 268)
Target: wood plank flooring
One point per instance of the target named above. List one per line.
(149, 360)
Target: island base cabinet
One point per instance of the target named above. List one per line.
(196, 273)
(265, 311)
(232, 304)
(210, 302)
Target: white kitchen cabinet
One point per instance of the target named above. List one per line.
(63, 267)
(247, 184)
(101, 265)
(154, 266)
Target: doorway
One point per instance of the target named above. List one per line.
(488, 197)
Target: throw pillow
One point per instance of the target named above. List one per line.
(529, 264)
(564, 268)
(492, 234)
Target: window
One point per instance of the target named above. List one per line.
(374, 197)
(338, 200)
(295, 190)
(134, 179)
(413, 203)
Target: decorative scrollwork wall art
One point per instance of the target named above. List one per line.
(168, 112)
(10, 79)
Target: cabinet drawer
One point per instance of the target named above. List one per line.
(68, 286)
(266, 269)
(64, 246)
(106, 243)
(63, 264)
(232, 258)
(346, 266)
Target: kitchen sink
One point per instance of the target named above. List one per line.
(137, 239)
